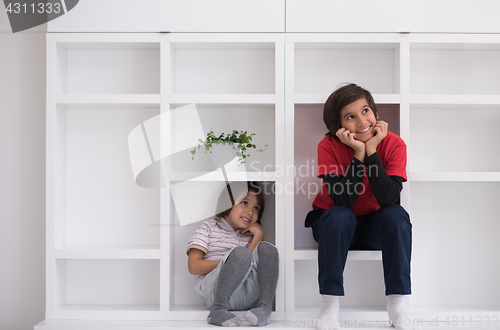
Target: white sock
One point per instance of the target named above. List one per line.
(329, 313)
(400, 318)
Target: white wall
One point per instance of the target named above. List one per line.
(22, 176)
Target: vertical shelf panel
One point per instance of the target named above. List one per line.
(279, 205)
(289, 178)
(166, 209)
(404, 113)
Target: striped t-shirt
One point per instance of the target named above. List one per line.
(216, 237)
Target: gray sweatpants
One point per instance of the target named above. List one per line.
(247, 293)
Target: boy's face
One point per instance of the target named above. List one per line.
(245, 213)
(358, 118)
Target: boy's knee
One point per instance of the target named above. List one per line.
(240, 253)
(266, 249)
(395, 216)
(339, 218)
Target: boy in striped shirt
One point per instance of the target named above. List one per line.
(234, 267)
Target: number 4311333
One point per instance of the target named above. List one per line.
(39, 8)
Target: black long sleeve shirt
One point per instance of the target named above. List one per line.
(344, 189)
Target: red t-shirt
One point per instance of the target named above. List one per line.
(334, 157)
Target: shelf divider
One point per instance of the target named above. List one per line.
(107, 253)
(456, 100)
(455, 176)
(108, 99)
(311, 254)
(266, 99)
(321, 98)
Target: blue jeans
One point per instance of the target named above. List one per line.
(338, 230)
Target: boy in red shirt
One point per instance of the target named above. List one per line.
(363, 166)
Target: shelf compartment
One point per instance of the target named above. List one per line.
(311, 254)
(75, 100)
(107, 253)
(446, 218)
(454, 139)
(223, 68)
(182, 283)
(309, 131)
(455, 69)
(360, 290)
(224, 118)
(95, 194)
(372, 66)
(115, 68)
(107, 285)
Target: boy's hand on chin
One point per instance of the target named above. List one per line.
(380, 133)
(254, 230)
(347, 138)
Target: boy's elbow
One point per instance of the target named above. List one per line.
(191, 270)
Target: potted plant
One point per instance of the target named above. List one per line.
(241, 141)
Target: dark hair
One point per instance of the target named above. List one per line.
(252, 187)
(343, 96)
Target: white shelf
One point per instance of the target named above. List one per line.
(253, 99)
(105, 308)
(108, 99)
(321, 98)
(107, 253)
(351, 255)
(360, 312)
(150, 325)
(455, 314)
(455, 176)
(218, 176)
(454, 100)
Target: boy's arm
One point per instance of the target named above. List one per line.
(344, 189)
(197, 265)
(385, 188)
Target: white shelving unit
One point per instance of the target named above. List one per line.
(116, 251)
(435, 92)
